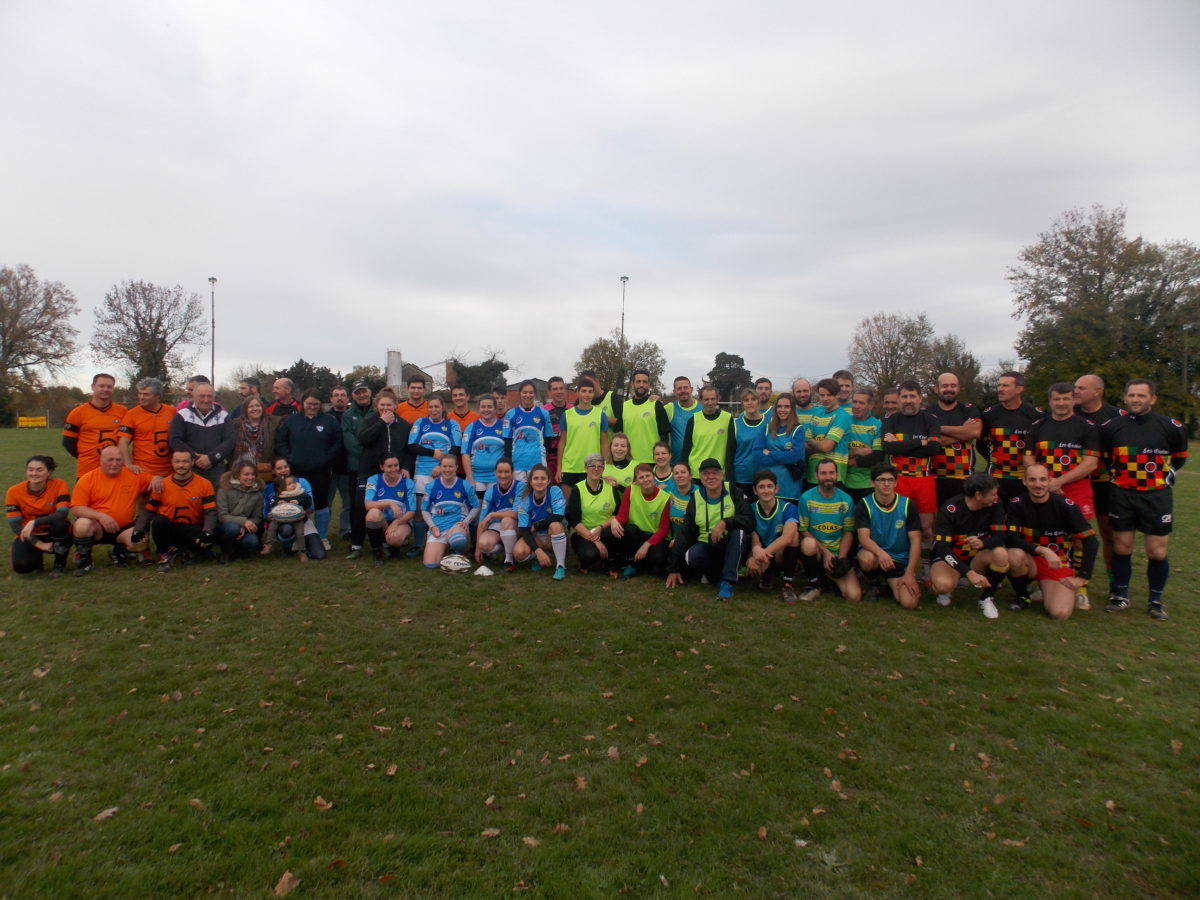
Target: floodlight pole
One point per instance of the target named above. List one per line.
(621, 364)
(212, 287)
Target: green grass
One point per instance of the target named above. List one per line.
(1015, 757)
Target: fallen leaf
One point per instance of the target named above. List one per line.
(382, 729)
(407, 723)
(560, 828)
(196, 803)
(56, 796)
(530, 841)
(322, 804)
(286, 884)
(222, 667)
(337, 864)
(1176, 746)
(41, 671)
(841, 648)
(174, 847)
(614, 753)
(827, 772)
(919, 861)
(176, 696)
(639, 809)
(1008, 842)
(1110, 806)
(105, 814)
(607, 695)
(490, 833)
(641, 761)
(580, 782)
(490, 801)
(653, 740)
(762, 832)
(391, 769)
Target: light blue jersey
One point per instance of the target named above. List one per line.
(444, 435)
(747, 448)
(402, 492)
(496, 500)
(448, 506)
(484, 444)
(528, 430)
(679, 418)
(535, 514)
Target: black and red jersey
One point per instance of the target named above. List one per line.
(1005, 436)
(1061, 445)
(1143, 451)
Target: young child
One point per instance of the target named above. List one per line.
(287, 490)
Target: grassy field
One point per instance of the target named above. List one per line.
(397, 732)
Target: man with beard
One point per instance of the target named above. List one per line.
(679, 413)
(961, 428)
(805, 407)
(910, 438)
(646, 421)
(1090, 403)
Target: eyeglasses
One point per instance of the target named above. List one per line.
(885, 479)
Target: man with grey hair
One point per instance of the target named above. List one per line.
(284, 391)
(205, 430)
(144, 431)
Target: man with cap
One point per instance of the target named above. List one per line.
(712, 538)
(352, 419)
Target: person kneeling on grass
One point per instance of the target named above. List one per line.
(541, 511)
(775, 541)
(390, 501)
(712, 538)
(590, 511)
(1042, 528)
(827, 535)
(498, 516)
(37, 514)
(181, 514)
(291, 533)
(889, 537)
(448, 508)
(104, 503)
(643, 524)
(969, 540)
(239, 510)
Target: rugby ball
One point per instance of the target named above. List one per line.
(286, 511)
(455, 564)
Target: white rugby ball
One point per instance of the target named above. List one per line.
(455, 563)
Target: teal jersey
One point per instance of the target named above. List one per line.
(863, 433)
(827, 518)
(889, 528)
(679, 417)
(769, 528)
(679, 503)
(833, 426)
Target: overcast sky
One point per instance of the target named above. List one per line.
(469, 177)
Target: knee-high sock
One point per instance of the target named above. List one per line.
(509, 540)
(1156, 574)
(375, 534)
(558, 543)
(1122, 570)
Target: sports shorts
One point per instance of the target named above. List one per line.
(1149, 512)
(921, 489)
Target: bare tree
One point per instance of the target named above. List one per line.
(615, 362)
(888, 348)
(36, 337)
(144, 328)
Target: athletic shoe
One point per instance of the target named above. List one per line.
(628, 572)
(943, 599)
(1036, 594)
(535, 566)
(987, 606)
(377, 557)
(1019, 604)
(413, 553)
(164, 561)
(1156, 611)
(1117, 603)
(725, 592)
(809, 594)
(355, 553)
(325, 543)
(510, 567)
(870, 593)
(118, 557)
(560, 572)
(58, 571)
(84, 568)
(788, 594)
(1082, 601)
(766, 582)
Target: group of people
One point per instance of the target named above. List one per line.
(810, 487)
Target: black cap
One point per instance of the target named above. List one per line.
(360, 386)
(710, 463)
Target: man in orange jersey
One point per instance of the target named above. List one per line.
(416, 406)
(104, 504)
(92, 426)
(144, 431)
(182, 514)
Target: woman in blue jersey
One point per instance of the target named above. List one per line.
(541, 510)
(498, 516)
(527, 432)
(783, 448)
(431, 438)
(680, 488)
(448, 508)
(748, 431)
(662, 464)
(483, 445)
(618, 472)
(390, 501)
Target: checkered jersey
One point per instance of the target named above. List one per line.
(1055, 524)
(1144, 451)
(956, 522)
(1004, 439)
(956, 460)
(1061, 445)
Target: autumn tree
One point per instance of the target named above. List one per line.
(615, 359)
(144, 329)
(729, 376)
(36, 337)
(1093, 299)
(888, 348)
(374, 377)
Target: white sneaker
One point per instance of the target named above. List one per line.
(1082, 601)
(325, 543)
(988, 608)
(1035, 595)
(943, 599)
(809, 594)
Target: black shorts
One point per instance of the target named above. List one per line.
(1149, 512)
(573, 477)
(1102, 497)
